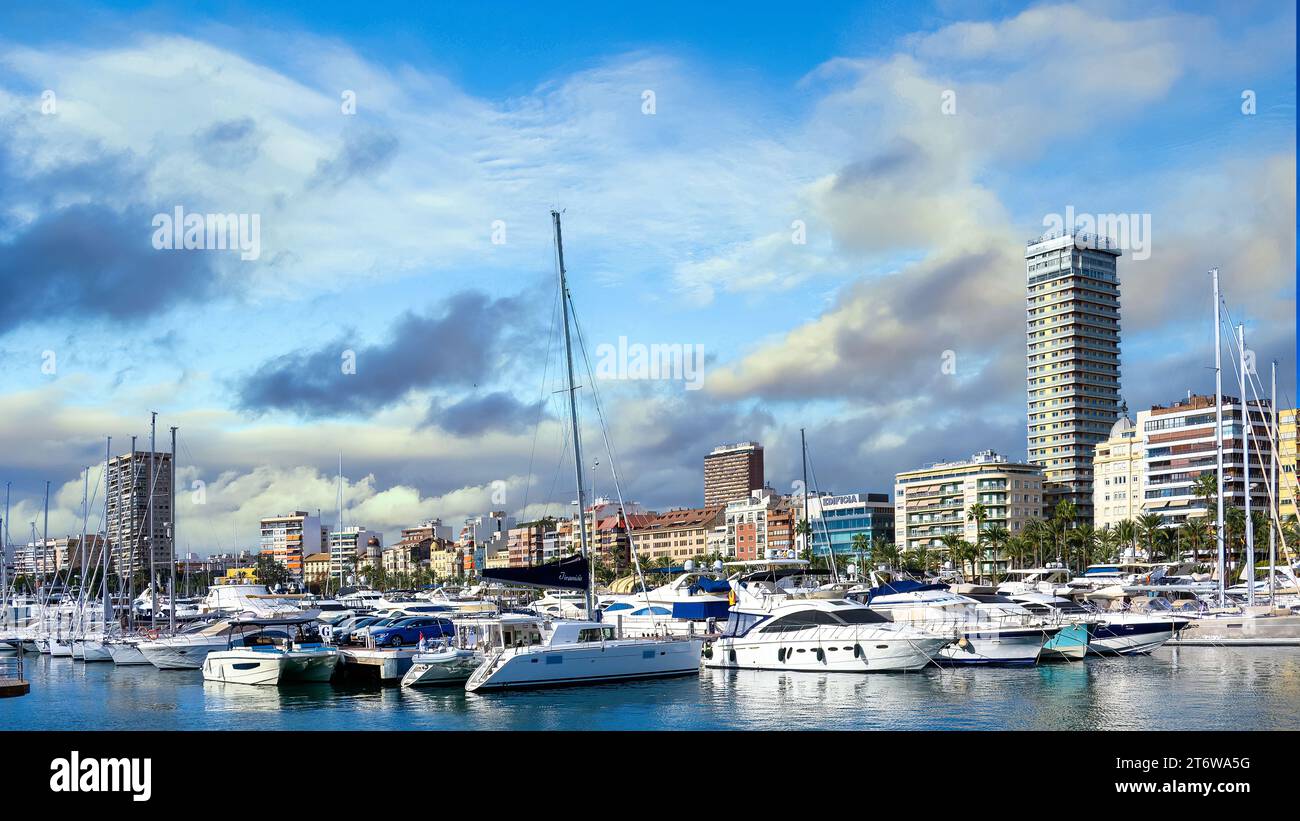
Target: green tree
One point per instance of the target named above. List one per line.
(1148, 528)
(268, 571)
(996, 539)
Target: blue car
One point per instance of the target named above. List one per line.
(408, 631)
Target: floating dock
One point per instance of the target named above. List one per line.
(385, 664)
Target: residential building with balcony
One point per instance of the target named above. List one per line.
(732, 472)
(676, 534)
(1073, 358)
(1180, 446)
(291, 538)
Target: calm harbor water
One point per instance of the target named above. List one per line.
(1175, 688)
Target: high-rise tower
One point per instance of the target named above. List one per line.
(1072, 305)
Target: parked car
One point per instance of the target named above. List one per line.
(358, 634)
(409, 631)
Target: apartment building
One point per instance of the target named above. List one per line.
(932, 502)
(131, 476)
(1073, 337)
(677, 534)
(1118, 467)
(1286, 467)
(732, 472)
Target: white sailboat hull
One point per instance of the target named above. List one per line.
(587, 663)
(179, 655)
(60, 649)
(94, 650)
(125, 654)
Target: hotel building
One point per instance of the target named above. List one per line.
(1118, 469)
(1073, 332)
(732, 472)
(930, 503)
(1180, 447)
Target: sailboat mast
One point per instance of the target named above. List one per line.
(171, 542)
(45, 533)
(573, 409)
(103, 548)
(1218, 438)
(1245, 460)
(153, 572)
(1275, 499)
(803, 450)
(133, 533)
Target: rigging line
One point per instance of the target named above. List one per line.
(541, 405)
(613, 465)
(1255, 386)
(830, 550)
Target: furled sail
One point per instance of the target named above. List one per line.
(570, 573)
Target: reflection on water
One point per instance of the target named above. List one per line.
(1176, 688)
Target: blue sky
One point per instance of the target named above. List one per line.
(376, 232)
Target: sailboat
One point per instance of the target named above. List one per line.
(579, 651)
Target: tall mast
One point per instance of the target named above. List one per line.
(171, 541)
(338, 527)
(1245, 459)
(1218, 449)
(153, 572)
(134, 534)
(803, 450)
(85, 514)
(1275, 505)
(103, 548)
(4, 545)
(45, 533)
(573, 411)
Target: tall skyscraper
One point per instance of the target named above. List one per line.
(127, 522)
(732, 472)
(1072, 307)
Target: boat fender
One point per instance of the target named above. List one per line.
(780, 654)
(821, 654)
(962, 642)
(708, 651)
(857, 651)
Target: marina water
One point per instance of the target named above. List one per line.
(1213, 688)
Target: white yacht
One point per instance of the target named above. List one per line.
(452, 662)
(683, 605)
(818, 634)
(1051, 581)
(584, 652)
(264, 658)
(188, 648)
(561, 604)
(982, 636)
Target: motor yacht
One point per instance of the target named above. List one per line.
(685, 605)
(1052, 581)
(188, 648)
(818, 634)
(454, 661)
(561, 604)
(984, 635)
(267, 656)
(1077, 624)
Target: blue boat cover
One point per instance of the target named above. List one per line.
(706, 585)
(902, 586)
(700, 610)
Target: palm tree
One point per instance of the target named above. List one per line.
(1085, 538)
(997, 537)
(884, 552)
(978, 514)
(862, 545)
(1148, 528)
(1126, 534)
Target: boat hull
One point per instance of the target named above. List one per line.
(60, 649)
(450, 667)
(593, 663)
(1071, 644)
(309, 666)
(178, 656)
(92, 650)
(1019, 646)
(862, 654)
(1131, 638)
(243, 667)
(125, 654)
